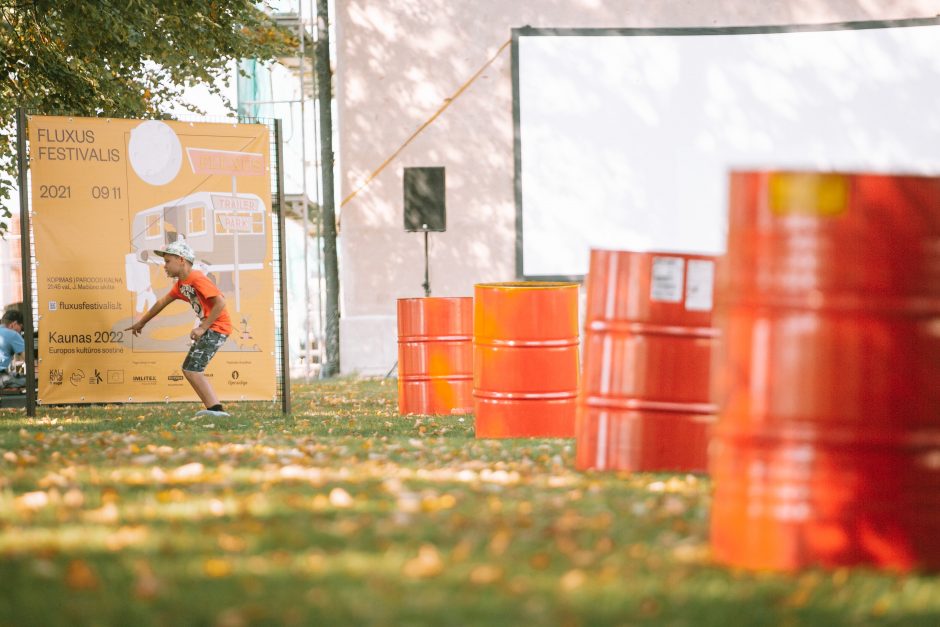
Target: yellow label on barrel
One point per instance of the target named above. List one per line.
(808, 194)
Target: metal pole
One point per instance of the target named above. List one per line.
(427, 280)
(235, 229)
(303, 186)
(285, 346)
(21, 121)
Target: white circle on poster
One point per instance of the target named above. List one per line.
(155, 152)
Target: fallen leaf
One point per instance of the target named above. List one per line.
(231, 618)
(73, 498)
(45, 568)
(146, 585)
(340, 498)
(110, 495)
(217, 567)
(80, 576)
(572, 580)
(427, 564)
(232, 544)
(105, 514)
(33, 500)
(187, 471)
(499, 542)
(485, 574)
(216, 507)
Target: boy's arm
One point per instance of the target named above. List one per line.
(218, 306)
(158, 306)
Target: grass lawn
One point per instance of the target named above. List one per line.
(347, 514)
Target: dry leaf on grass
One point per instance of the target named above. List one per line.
(428, 563)
(80, 576)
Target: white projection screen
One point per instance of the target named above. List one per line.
(624, 139)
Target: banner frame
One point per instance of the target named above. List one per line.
(282, 265)
(26, 260)
(274, 125)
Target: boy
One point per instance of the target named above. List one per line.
(214, 326)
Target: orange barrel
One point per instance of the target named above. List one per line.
(435, 356)
(645, 402)
(827, 447)
(525, 359)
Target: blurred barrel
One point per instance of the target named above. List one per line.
(435, 355)
(525, 359)
(827, 448)
(645, 402)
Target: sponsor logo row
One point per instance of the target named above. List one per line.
(95, 376)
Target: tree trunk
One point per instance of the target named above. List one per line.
(328, 207)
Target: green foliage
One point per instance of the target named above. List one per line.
(120, 58)
(346, 513)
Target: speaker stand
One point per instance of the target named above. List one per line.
(427, 281)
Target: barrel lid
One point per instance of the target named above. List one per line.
(435, 298)
(527, 285)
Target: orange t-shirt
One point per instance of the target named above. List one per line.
(197, 289)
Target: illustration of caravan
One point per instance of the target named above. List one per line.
(225, 230)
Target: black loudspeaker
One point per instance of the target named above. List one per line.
(424, 200)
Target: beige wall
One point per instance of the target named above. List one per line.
(397, 62)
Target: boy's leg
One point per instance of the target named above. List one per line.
(195, 364)
(203, 388)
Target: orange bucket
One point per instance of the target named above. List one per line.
(645, 402)
(525, 359)
(827, 449)
(435, 355)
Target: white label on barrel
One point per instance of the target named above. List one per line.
(666, 282)
(699, 285)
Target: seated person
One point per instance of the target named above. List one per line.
(11, 345)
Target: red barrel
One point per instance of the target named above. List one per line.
(435, 355)
(645, 402)
(525, 359)
(827, 449)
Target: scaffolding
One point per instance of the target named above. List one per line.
(254, 97)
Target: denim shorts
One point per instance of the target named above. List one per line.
(203, 350)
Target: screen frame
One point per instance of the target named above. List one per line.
(527, 31)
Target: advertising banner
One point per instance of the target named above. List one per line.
(107, 193)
